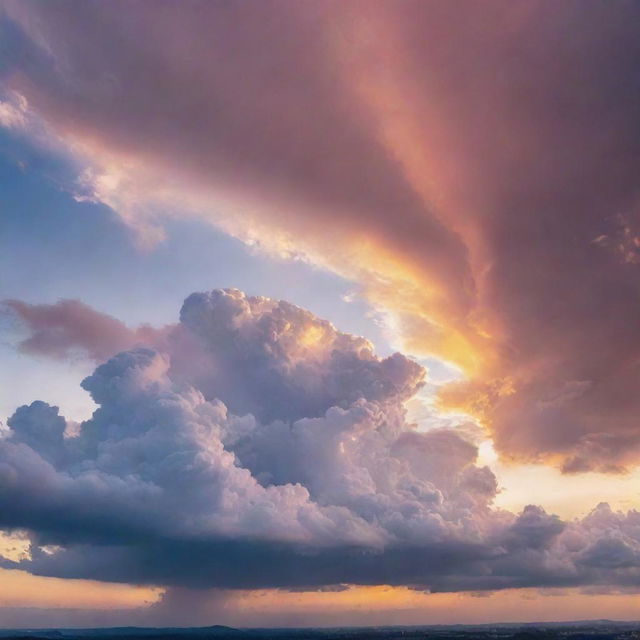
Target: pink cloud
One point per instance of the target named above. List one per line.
(69, 326)
(475, 169)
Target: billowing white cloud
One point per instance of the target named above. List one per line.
(258, 446)
(276, 360)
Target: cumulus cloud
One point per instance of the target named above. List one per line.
(281, 457)
(277, 360)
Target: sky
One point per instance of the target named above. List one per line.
(319, 313)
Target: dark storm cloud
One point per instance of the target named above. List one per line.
(166, 485)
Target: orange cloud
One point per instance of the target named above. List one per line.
(474, 170)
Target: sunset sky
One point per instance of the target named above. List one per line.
(319, 312)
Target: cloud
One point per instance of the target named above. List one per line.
(277, 360)
(166, 485)
(474, 170)
(69, 326)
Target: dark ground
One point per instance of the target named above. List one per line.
(595, 630)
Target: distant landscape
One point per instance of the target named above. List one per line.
(591, 630)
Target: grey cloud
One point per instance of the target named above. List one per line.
(166, 485)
